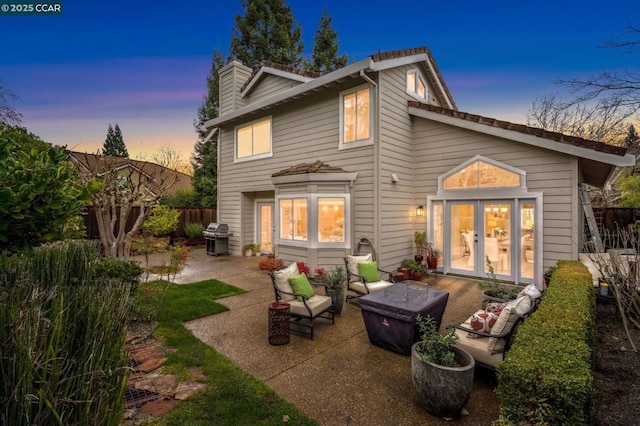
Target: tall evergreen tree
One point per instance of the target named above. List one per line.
(114, 143)
(631, 141)
(325, 56)
(205, 159)
(267, 32)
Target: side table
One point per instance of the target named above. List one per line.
(279, 317)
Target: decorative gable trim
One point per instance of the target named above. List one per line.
(255, 78)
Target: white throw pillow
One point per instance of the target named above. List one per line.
(352, 262)
(532, 291)
(506, 320)
(282, 280)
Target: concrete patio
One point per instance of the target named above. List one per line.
(338, 378)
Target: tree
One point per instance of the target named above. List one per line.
(325, 56)
(267, 32)
(8, 114)
(631, 141)
(116, 189)
(114, 144)
(204, 158)
(169, 157)
(38, 190)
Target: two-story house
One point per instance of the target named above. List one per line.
(309, 164)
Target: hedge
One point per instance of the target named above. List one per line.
(546, 377)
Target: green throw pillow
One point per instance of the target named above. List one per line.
(369, 271)
(300, 284)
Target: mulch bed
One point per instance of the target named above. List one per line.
(617, 372)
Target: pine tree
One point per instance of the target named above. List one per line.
(204, 158)
(267, 32)
(114, 143)
(631, 141)
(325, 48)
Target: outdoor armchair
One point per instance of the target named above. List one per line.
(358, 282)
(304, 309)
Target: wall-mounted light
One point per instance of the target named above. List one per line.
(419, 211)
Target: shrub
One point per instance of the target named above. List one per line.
(163, 220)
(193, 230)
(62, 335)
(126, 272)
(546, 376)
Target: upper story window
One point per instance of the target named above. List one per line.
(253, 140)
(355, 117)
(416, 85)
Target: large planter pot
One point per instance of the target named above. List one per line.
(443, 391)
(337, 298)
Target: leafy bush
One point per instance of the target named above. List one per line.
(163, 220)
(126, 272)
(62, 335)
(433, 346)
(546, 376)
(193, 230)
(183, 198)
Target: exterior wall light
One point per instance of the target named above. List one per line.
(420, 211)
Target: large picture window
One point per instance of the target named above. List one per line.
(293, 219)
(355, 116)
(331, 220)
(254, 140)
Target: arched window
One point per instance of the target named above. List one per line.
(482, 173)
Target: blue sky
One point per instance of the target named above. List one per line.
(143, 64)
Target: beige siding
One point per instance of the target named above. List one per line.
(303, 132)
(270, 85)
(232, 78)
(440, 147)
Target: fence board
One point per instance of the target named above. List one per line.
(203, 216)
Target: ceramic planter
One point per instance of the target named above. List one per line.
(443, 391)
(337, 298)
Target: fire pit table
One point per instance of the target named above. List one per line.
(389, 315)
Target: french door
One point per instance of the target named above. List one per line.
(264, 225)
(484, 236)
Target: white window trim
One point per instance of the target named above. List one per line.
(361, 142)
(312, 221)
(414, 93)
(252, 157)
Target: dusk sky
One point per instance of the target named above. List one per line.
(143, 64)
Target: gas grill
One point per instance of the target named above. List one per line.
(217, 236)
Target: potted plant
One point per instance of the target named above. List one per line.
(432, 255)
(442, 373)
(334, 280)
(193, 231)
(270, 263)
(415, 268)
(251, 249)
(496, 291)
(420, 240)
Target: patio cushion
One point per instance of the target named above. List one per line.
(352, 262)
(282, 280)
(300, 284)
(506, 320)
(369, 271)
(482, 321)
(316, 303)
(477, 347)
(532, 291)
(373, 287)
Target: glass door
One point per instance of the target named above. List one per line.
(498, 237)
(265, 226)
(461, 253)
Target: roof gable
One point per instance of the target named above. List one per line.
(272, 68)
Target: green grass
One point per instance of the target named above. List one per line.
(232, 397)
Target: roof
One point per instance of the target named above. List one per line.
(303, 168)
(528, 130)
(311, 85)
(94, 162)
(279, 67)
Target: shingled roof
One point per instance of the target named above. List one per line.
(521, 128)
(305, 168)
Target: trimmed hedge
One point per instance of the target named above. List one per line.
(546, 377)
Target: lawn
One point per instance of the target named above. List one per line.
(232, 397)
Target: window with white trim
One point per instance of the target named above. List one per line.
(293, 219)
(331, 220)
(253, 140)
(355, 117)
(416, 85)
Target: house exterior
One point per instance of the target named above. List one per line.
(309, 164)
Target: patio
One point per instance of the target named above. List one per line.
(339, 378)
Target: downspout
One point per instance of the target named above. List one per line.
(366, 77)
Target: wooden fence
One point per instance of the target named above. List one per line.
(189, 215)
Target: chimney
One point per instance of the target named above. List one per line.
(232, 77)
